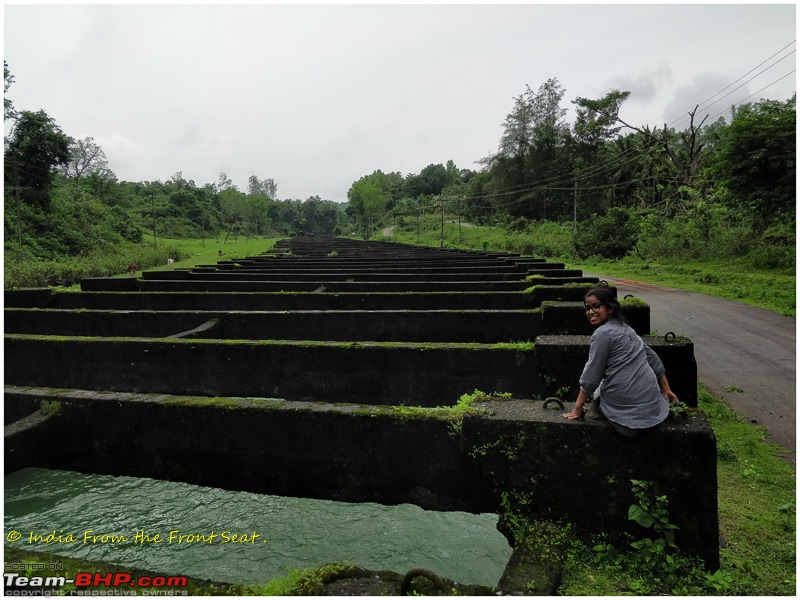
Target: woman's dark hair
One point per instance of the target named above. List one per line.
(607, 297)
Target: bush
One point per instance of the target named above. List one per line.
(774, 249)
(70, 270)
(612, 235)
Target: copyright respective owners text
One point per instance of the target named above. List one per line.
(90, 537)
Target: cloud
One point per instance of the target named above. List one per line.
(317, 96)
(708, 91)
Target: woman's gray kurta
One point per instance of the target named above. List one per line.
(629, 371)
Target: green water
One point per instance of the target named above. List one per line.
(279, 533)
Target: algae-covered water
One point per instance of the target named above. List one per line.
(239, 537)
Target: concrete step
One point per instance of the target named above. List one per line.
(354, 372)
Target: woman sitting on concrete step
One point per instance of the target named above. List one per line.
(624, 377)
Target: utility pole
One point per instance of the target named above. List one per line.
(155, 241)
(19, 213)
(459, 217)
(441, 236)
(575, 211)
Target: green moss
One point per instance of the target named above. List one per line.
(632, 302)
(307, 582)
(452, 414)
(50, 407)
(223, 402)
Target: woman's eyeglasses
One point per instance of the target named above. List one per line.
(589, 307)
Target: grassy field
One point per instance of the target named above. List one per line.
(206, 252)
(193, 252)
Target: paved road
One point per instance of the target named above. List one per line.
(745, 355)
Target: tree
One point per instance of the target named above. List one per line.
(8, 107)
(597, 120)
(37, 146)
(86, 157)
(756, 162)
(224, 183)
(234, 208)
(528, 151)
(268, 187)
(435, 178)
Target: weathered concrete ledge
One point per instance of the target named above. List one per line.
(531, 298)
(484, 326)
(172, 281)
(254, 301)
(425, 374)
(435, 458)
(359, 372)
(570, 317)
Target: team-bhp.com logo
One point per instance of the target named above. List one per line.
(91, 584)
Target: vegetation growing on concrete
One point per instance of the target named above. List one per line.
(224, 402)
(453, 414)
(632, 302)
(307, 582)
(50, 407)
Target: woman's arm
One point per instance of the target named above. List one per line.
(665, 390)
(577, 412)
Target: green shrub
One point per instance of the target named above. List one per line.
(612, 235)
(70, 270)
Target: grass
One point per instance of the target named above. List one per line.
(770, 290)
(195, 252)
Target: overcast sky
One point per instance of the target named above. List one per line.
(317, 96)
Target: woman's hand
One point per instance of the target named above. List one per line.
(575, 415)
(665, 390)
(670, 396)
(579, 410)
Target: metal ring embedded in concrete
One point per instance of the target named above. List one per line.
(550, 400)
(667, 336)
(405, 586)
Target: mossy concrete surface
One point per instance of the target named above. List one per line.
(360, 372)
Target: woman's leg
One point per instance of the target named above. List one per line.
(625, 431)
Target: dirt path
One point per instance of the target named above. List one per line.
(745, 355)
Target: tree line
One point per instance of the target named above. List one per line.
(62, 199)
(706, 188)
